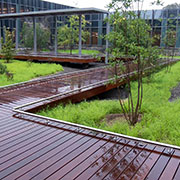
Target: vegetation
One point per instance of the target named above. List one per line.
(163, 56)
(8, 46)
(23, 72)
(68, 35)
(160, 121)
(43, 36)
(3, 68)
(84, 51)
(130, 37)
(76, 51)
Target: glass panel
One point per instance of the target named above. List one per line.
(94, 17)
(172, 13)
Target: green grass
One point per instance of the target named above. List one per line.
(76, 51)
(161, 118)
(175, 57)
(24, 71)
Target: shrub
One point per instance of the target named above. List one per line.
(3, 68)
(8, 45)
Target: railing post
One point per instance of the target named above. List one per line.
(107, 42)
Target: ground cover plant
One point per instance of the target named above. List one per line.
(24, 71)
(160, 118)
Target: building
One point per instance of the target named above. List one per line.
(161, 21)
(96, 27)
(158, 19)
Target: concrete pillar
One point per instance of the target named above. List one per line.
(107, 42)
(55, 38)
(80, 35)
(17, 34)
(35, 35)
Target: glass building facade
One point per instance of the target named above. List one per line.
(161, 21)
(96, 26)
(158, 19)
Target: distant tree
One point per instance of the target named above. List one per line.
(8, 46)
(43, 36)
(68, 35)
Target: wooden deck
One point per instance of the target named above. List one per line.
(33, 147)
(50, 57)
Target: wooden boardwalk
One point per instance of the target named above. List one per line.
(50, 57)
(33, 147)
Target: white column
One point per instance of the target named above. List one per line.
(80, 35)
(35, 35)
(107, 42)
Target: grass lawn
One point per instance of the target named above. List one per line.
(175, 57)
(76, 51)
(84, 51)
(24, 71)
(161, 118)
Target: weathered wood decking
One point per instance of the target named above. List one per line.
(33, 148)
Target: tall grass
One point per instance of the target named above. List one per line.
(24, 71)
(160, 121)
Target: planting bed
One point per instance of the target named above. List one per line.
(160, 118)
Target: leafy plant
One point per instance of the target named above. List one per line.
(8, 46)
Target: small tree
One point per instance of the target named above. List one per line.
(68, 35)
(130, 38)
(63, 39)
(8, 46)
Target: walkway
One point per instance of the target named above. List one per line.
(33, 147)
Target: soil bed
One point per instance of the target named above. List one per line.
(175, 93)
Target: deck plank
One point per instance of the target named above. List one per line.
(31, 148)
